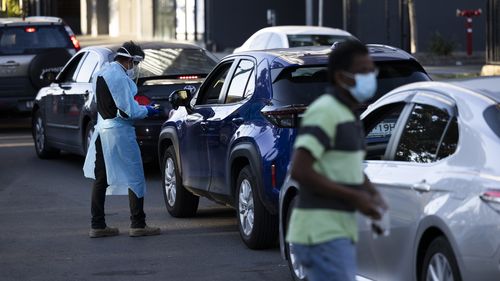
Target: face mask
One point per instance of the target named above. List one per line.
(132, 73)
(365, 88)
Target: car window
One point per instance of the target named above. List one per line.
(274, 42)
(211, 90)
(380, 125)
(176, 61)
(87, 68)
(32, 39)
(449, 143)
(242, 75)
(301, 40)
(68, 74)
(423, 134)
(260, 41)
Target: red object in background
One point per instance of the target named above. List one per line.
(30, 29)
(468, 14)
(142, 100)
(75, 42)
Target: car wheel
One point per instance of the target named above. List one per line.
(178, 200)
(258, 228)
(89, 131)
(296, 269)
(440, 263)
(43, 150)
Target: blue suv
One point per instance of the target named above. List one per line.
(232, 141)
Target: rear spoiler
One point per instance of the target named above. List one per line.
(141, 80)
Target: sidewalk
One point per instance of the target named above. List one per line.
(453, 71)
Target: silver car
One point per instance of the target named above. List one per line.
(30, 49)
(433, 151)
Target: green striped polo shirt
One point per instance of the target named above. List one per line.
(334, 136)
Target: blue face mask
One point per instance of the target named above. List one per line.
(366, 86)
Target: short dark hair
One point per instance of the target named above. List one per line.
(342, 55)
(131, 48)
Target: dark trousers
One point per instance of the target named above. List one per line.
(137, 215)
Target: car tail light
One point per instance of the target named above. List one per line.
(142, 100)
(188, 77)
(288, 117)
(75, 42)
(30, 29)
(492, 197)
(273, 176)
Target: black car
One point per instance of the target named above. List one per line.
(64, 113)
(29, 47)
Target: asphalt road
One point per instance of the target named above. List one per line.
(45, 216)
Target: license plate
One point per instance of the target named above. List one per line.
(382, 129)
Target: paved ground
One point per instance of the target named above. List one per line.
(45, 220)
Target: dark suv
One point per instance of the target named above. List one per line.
(29, 48)
(232, 141)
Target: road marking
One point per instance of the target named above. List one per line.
(20, 144)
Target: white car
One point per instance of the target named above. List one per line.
(433, 151)
(293, 36)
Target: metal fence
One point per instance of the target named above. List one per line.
(493, 32)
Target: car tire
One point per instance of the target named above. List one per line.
(50, 59)
(296, 269)
(258, 228)
(89, 131)
(179, 201)
(440, 262)
(42, 148)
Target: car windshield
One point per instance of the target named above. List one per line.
(302, 40)
(176, 61)
(302, 85)
(20, 40)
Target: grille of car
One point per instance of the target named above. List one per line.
(16, 87)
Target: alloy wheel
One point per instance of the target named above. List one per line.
(298, 269)
(439, 269)
(170, 181)
(246, 207)
(39, 134)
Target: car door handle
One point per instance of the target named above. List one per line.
(238, 121)
(10, 63)
(422, 186)
(66, 87)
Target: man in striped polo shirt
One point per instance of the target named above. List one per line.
(327, 164)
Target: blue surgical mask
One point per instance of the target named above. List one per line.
(131, 73)
(366, 86)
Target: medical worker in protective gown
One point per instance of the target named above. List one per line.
(113, 158)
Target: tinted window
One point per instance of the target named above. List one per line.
(492, 118)
(304, 84)
(380, 125)
(32, 39)
(422, 134)
(68, 73)
(314, 40)
(239, 82)
(260, 41)
(397, 73)
(300, 85)
(87, 68)
(211, 90)
(274, 42)
(168, 61)
(450, 140)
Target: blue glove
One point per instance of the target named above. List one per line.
(152, 111)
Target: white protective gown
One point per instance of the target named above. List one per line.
(122, 156)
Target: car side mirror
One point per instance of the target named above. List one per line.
(180, 98)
